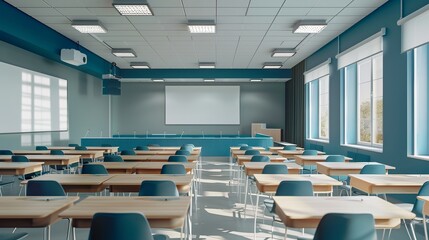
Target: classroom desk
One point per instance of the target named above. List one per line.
(32, 212)
(132, 182)
(48, 159)
(83, 153)
(251, 168)
(388, 184)
(241, 159)
(306, 212)
(235, 153)
(171, 148)
(20, 168)
(108, 150)
(162, 152)
(309, 160)
(77, 182)
(425, 212)
(153, 158)
(344, 168)
(159, 212)
(119, 167)
(293, 153)
(155, 167)
(276, 149)
(253, 148)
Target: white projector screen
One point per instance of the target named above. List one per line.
(31, 101)
(202, 105)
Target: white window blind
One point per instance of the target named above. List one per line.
(414, 29)
(317, 72)
(364, 49)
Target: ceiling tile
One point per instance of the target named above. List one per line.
(104, 11)
(352, 11)
(168, 11)
(207, 12)
(324, 11)
(231, 11)
(367, 3)
(265, 3)
(199, 3)
(333, 3)
(164, 3)
(233, 4)
(41, 11)
(293, 11)
(75, 11)
(27, 4)
(262, 11)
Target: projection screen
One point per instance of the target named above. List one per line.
(202, 105)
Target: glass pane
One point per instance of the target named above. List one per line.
(324, 107)
(364, 101)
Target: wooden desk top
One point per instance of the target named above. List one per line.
(155, 167)
(253, 148)
(159, 212)
(311, 160)
(293, 153)
(95, 148)
(131, 182)
(269, 182)
(48, 159)
(162, 152)
(153, 158)
(344, 168)
(32, 211)
(84, 153)
(20, 168)
(276, 149)
(247, 158)
(306, 212)
(172, 148)
(425, 205)
(392, 183)
(252, 168)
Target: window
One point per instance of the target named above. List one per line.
(324, 107)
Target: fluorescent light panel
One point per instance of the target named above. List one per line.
(283, 52)
(139, 65)
(208, 80)
(124, 52)
(272, 65)
(157, 80)
(133, 8)
(202, 26)
(88, 26)
(256, 80)
(309, 26)
(207, 65)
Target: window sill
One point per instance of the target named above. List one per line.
(372, 149)
(317, 140)
(419, 157)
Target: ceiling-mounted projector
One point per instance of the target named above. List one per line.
(73, 57)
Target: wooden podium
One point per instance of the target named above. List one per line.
(275, 133)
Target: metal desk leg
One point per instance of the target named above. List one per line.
(256, 215)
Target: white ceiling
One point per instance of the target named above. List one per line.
(247, 30)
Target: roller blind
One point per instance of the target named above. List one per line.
(317, 72)
(414, 29)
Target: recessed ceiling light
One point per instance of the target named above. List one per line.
(256, 80)
(201, 27)
(208, 80)
(309, 26)
(139, 65)
(272, 65)
(133, 8)
(283, 52)
(124, 52)
(157, 80)
(207, 65)
(88, 26)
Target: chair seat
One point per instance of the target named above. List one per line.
(160, 237)
(13, 236)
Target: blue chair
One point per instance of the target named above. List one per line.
(243, 145)
(260, 158)
(19, 158)
(6, 152)
(187, 148)
(80, 148)
(57, 152)
(183, 152)
(246, 147)
(275, 169)
(113, 158)
(142, 148)
(335, 158)
(158, 188)
(153, 145)
(40, 148)
(128, 152)
(189, 144)
(121, 226)
(94, 169)
(373, 169)
(289, 147)
(178, 158)
(339, 226)
(13, 236)
(61, 167)
(173, 169)
(44, 188)
(309, 152)
(252, 152)
(73, 145)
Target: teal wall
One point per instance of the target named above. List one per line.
(409, 6)
(141, 107)
(88, 109)
(395, 89)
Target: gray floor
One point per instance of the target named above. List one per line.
(219, 215)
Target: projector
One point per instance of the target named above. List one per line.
(73, 57)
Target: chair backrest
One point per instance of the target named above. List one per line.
(94, 169)
(73, 145)
(41, 148)
(243, 145)
(113, 158)
(113, 226)
(128, 152)
(309, 152)
(153, 145)
(246, 147)
(295, 188)
(173, 169)
(260, 158)
(289, 147)
(80, 148)
(275, 169)
(252, 152)
(158, 188)
(57, 152)
(19, 158)
(418, 204)
(335, 158)
(142, 148)
(187, 148)
(189, 144)
(346, 226)
(178, 158)
(6, 152)
(183, 152)
(44, 188)
(373, 169)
